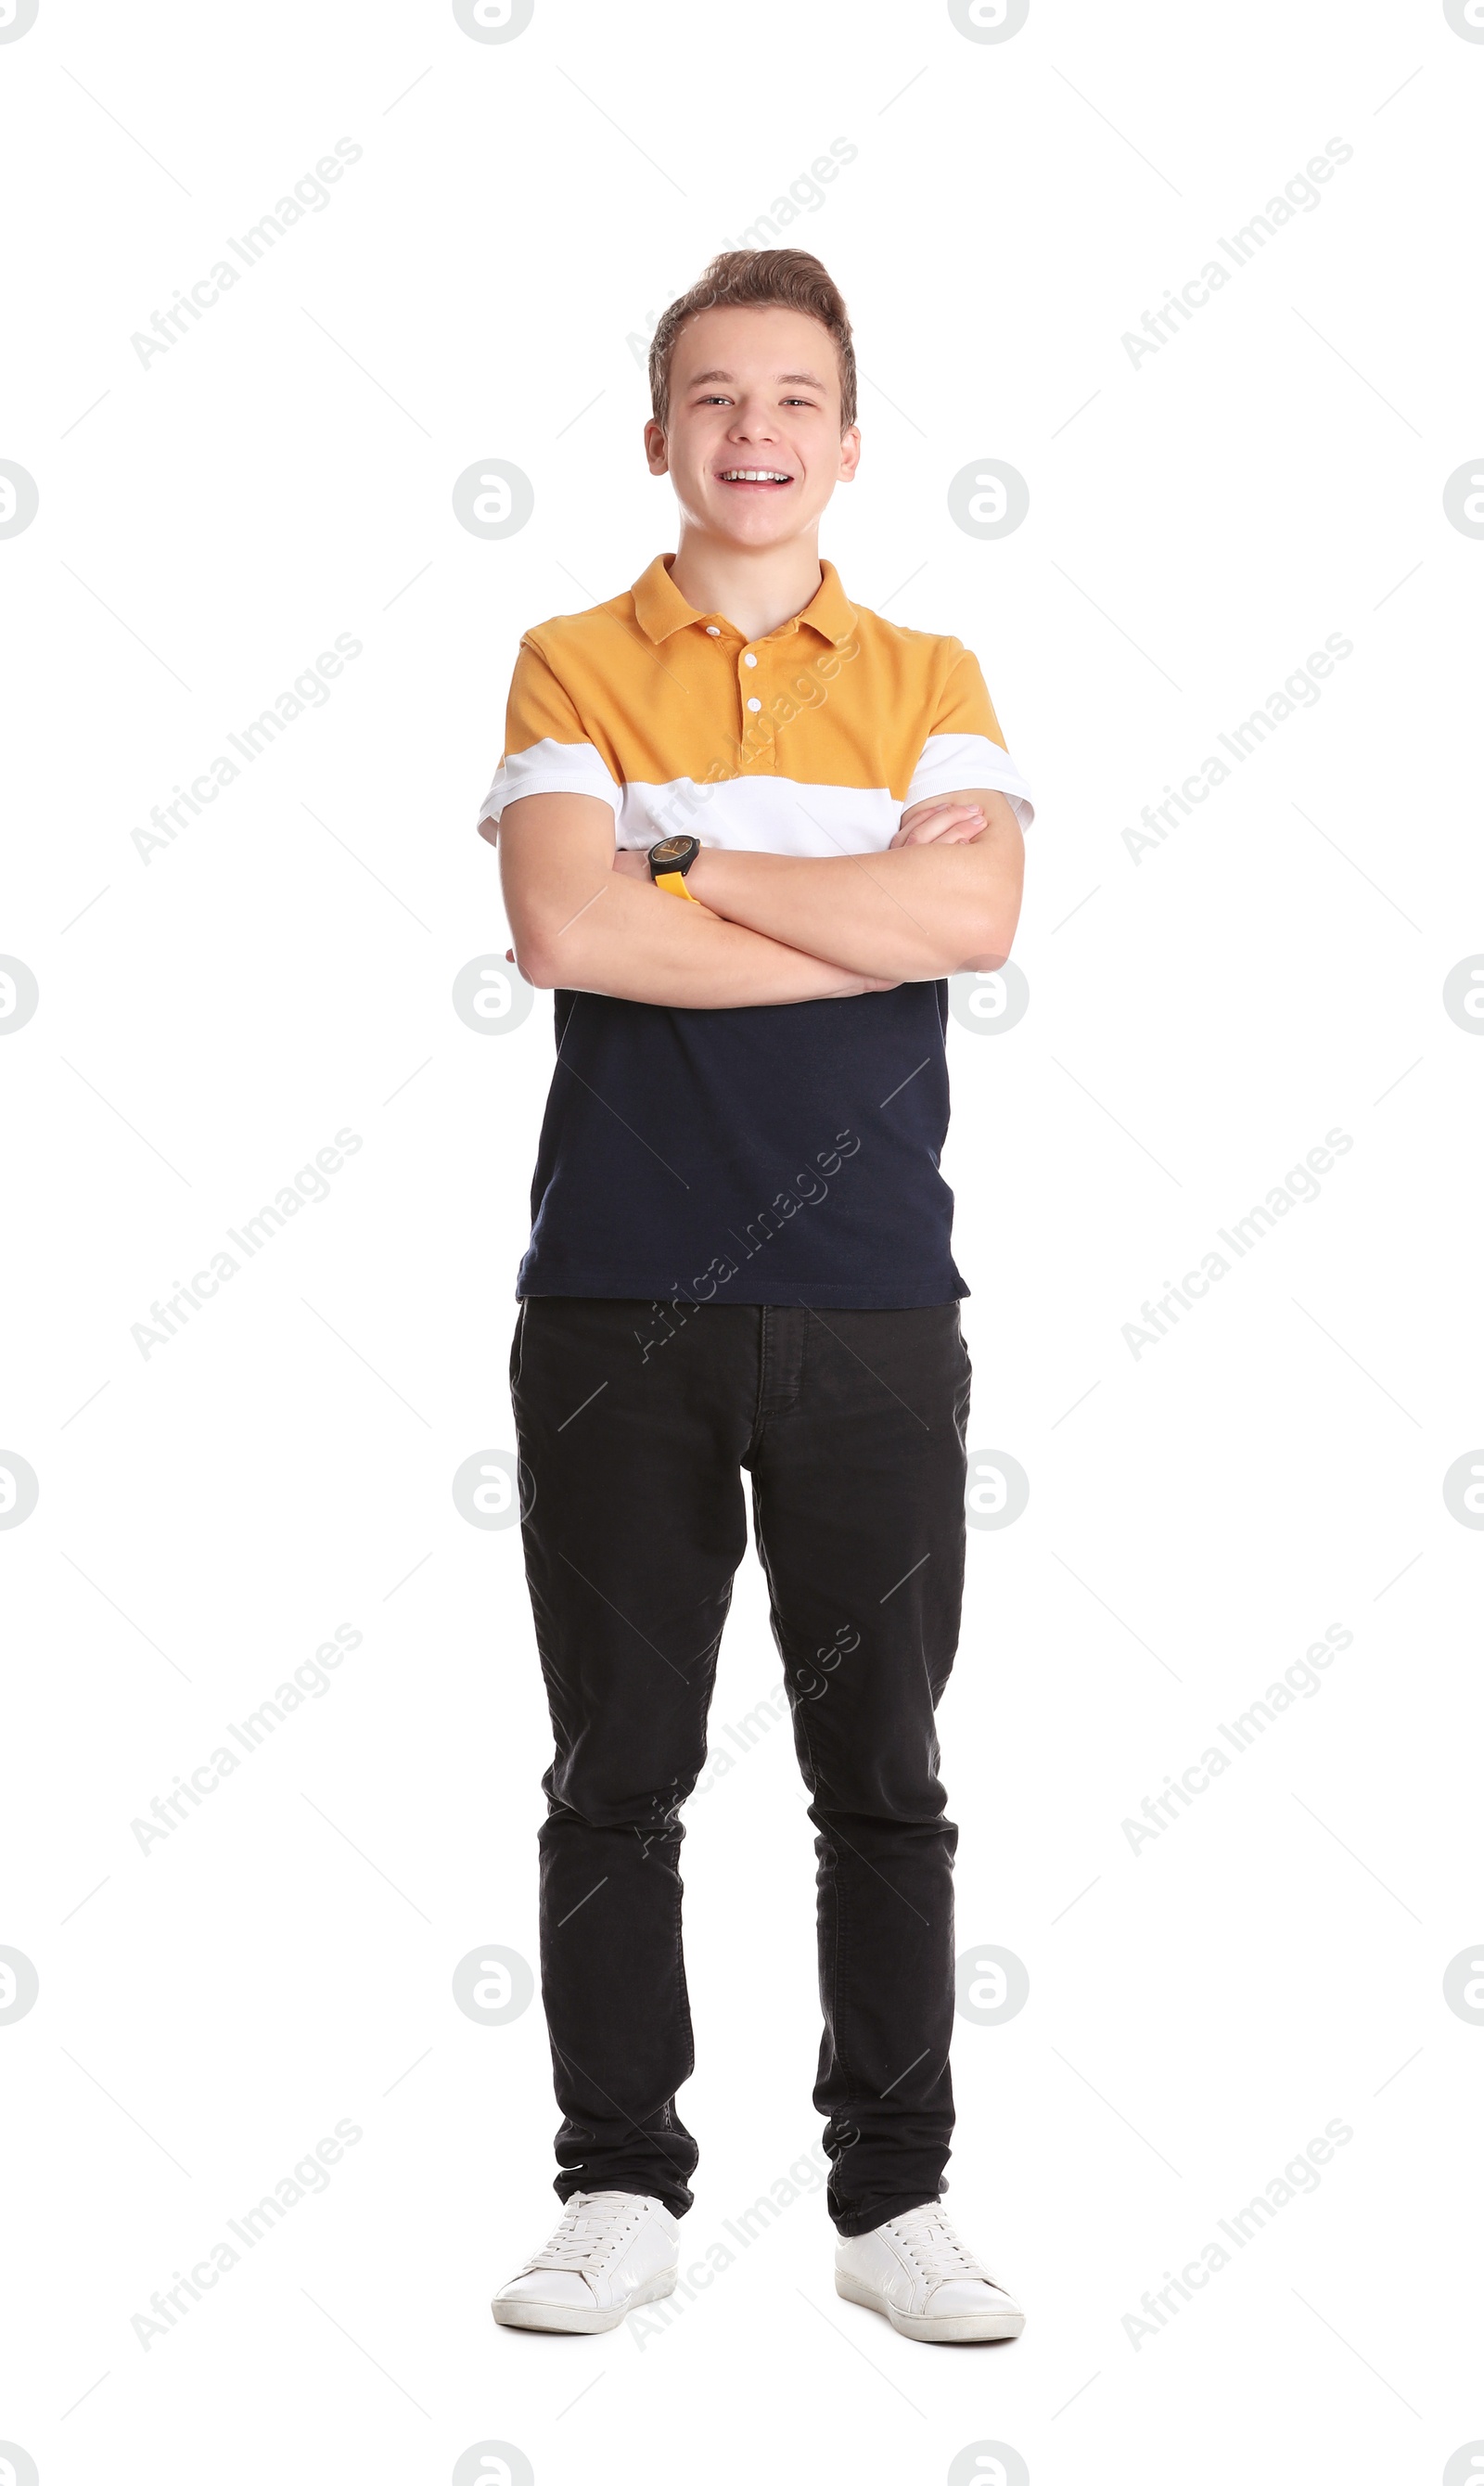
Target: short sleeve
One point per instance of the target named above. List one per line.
(546, 747)
(964, 747)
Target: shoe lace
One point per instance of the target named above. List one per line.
(591, 2227)
(927, 2237)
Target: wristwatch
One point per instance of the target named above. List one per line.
(670, 862)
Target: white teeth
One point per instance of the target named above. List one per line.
(753, 475)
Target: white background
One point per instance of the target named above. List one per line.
(1198, 1020)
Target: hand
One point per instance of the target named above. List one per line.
(948, 824)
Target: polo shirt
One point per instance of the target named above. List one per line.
(787, 1153)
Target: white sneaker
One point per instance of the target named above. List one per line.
(611, 2250)
(927, 2283)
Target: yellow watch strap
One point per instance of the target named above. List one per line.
(674, 882)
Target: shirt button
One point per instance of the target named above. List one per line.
(748, 659)
(712, 632)
(754, 703)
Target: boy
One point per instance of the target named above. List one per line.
(745, 831)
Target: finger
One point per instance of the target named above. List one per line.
(961, 833)
(928, 827)
(936, 816)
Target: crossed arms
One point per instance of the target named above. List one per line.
(944, 895)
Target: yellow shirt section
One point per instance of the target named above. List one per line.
(834, 697)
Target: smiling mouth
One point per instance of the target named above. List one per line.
(767, 478)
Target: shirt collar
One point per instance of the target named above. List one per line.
(661, 609)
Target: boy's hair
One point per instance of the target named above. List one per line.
(791, 279)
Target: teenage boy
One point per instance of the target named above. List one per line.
(746, 829)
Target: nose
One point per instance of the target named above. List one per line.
(752, 422)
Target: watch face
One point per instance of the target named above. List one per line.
(673, 852)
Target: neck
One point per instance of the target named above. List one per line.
(755, 589)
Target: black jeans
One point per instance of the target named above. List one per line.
(633, 1423)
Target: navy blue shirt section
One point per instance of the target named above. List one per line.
(780, 1155)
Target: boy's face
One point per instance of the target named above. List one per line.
(754, 391)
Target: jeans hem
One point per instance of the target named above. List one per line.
(896, 2205)
(625, 2180)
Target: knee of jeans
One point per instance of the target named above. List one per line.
(592, 1792)
(899, 1811)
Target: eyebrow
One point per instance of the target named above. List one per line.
(809, 380)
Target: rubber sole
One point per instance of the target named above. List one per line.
(528, 2315)
(949, 2328)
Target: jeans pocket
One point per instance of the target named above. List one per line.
(963, 1392)
(518, 1349)
(963, 1348)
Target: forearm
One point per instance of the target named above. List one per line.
(640, 944)
(910, 914)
